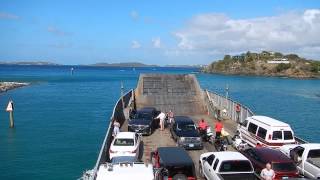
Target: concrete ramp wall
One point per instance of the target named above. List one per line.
(180, 93)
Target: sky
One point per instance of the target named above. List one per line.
(164, 32)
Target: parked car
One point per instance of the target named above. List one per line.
(172, 163)
(225, 165)
(144, 121)
(307, 157)
(283, 166)
(185, 133)
(125, 144)
(266, 131)
(125, 167)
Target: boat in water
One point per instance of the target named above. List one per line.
(182, 94)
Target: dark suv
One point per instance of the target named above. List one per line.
(185, 133)
(283, 166)
(172, 163)
(144, 121)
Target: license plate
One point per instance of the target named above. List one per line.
(191, 145)
(285, 178)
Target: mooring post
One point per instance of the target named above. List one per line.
(10, 110)
(122, 93)
(227, 100)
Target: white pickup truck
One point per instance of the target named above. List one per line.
(121, 170)
(225, 165)
(307, 157)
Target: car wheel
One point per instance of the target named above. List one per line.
(201, 170)
(179, 177)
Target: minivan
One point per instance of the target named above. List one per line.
(265, 131)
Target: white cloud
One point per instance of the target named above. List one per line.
(56, 31)
(296, 32)
(4, 15)
(135, 45)
(134, 15)
(156, 42)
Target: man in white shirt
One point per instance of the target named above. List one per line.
(162, 117)
(116, 128)
(267, 173)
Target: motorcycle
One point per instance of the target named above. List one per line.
(221, 144)
(238, 143)
(207, 135)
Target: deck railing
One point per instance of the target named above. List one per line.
(119, 114)
(233, 110)
(221, 107)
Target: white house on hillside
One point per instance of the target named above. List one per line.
(279, 61)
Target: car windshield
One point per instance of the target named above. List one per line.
(236, 166)
(186, 127)
(142, 116)
(123, 142)
(284, 167)
(314, 153)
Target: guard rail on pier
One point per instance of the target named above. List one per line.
(120, 113)
(225, 108)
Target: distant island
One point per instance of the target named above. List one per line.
(123, 64)
(37, 63)
(266, 63)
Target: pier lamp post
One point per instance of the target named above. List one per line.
(227, 101)
(122, 93)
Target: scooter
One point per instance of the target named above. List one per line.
(220, 144)
(207, 135)
(238, 143)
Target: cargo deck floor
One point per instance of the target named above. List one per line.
(163, 139)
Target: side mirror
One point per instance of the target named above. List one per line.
(204, 159)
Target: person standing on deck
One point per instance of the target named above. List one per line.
(267, 173)
(162, 117)
(171, 117)
(218, 128)
(116, 128)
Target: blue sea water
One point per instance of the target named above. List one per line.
(61, 120)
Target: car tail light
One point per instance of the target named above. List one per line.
(169, 178)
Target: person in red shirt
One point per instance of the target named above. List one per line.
(258, 145)
(202, 125)
(218, 128)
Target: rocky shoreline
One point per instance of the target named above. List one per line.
(6, 86)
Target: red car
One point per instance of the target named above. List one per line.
(283, 166)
